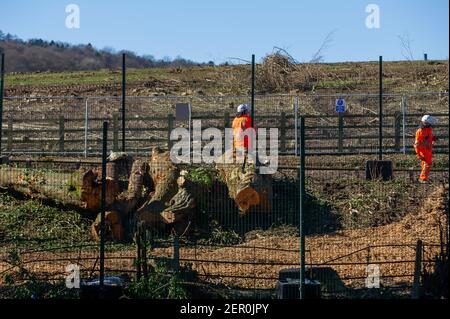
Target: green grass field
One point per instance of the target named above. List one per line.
(235, 79)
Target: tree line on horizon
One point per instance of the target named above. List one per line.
(38, 55)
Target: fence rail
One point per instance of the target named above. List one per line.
(349, 222)
(62, 125)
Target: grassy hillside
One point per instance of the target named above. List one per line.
(272, 77)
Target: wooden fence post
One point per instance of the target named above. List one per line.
(115, 132)
(283, 132)
(341, 132)
(417, 271)
(397, 130)
(226, 119)
(61, 133)
(10, 134)
(169, 130)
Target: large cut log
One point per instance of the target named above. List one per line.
(125, 205)
(122, 163)
(164, 176)
(113, 227)
(140, 183)
(181, 205)
(91, 190)
(250, 190)
(172, 202)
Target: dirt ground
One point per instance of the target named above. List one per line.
(347, 248)
(343, 256)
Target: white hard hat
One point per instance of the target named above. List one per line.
(429, 119)
(242, 108)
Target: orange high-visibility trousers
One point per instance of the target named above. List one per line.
(425, 163)
(424, 150)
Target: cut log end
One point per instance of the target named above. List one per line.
(114, 231)
(247, 198)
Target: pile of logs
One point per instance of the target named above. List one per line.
(159, 196)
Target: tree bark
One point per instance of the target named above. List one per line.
(171, 202)
(114, 230)
(91, 190)
(250, 190)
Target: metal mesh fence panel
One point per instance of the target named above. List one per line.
(356, 229)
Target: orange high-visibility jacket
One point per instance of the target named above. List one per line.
(240, 124)
(424, 141)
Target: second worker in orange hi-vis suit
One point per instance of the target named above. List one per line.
(241, 142)
(424, 146)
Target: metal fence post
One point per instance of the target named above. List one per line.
(2, 86)
(380, 112)
(417, 270)
(302, 208)
(138, 253)
(283, 132)
(397, 123)
(61, 133)
(102, 212)
(115, 132)
(144, 254)
(169, 130)
(176, 253)
(10, 134)
(253, 91)
(86, 126)
(226, 119)
(123, 100)
(296, 124)
(341, 132)
(404, 106)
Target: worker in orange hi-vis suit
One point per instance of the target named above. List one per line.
(241, 122)
(424, 146)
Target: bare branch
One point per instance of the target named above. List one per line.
(280, 50)
(405, 42)
(318, 56)
(239, 59)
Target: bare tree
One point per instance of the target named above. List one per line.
(318, 56)
(405, 42)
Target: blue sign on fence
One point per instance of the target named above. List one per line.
(340, 105)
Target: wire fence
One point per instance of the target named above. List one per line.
(358, 230)
(351, 224)
(61, 126)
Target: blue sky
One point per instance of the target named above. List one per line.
(215, 30)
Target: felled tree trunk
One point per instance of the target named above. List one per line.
(179, 212)
(171, 203)
(91, 189)
(122, 163)
(113, 227)
(250, 190)
(157, 196)
(122, 214)
(139, 181)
